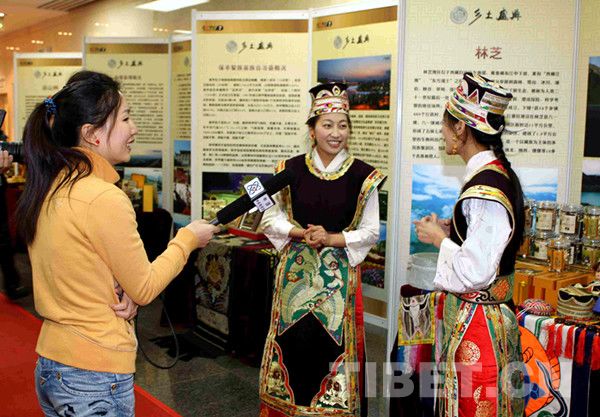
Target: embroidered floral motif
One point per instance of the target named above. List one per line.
(277, 377)
(484, 409)
(315, 288)
(334, 390)
(501, 289)
(212, 280)
(468, 353)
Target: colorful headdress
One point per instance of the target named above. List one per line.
(476, 97)
(329, 98)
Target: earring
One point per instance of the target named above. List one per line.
(97, 142)
(454, 149)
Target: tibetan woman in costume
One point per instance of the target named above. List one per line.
(481, 360)
(324, 225)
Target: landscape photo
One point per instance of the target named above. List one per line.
(368, 79)
(435, 189)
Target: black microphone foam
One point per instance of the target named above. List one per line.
(243, 204)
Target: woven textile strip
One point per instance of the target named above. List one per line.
(496, 331)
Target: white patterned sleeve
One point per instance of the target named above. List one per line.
(360, 241)
(276, 225)
(473, 265)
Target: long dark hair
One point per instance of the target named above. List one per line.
(50, 136)
(494, 142)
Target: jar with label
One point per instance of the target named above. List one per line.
(570, 218)
(590, 252)
(591, 221)
(558, 254)
(539, 248)
(528, 208)
(525, 248)
(574, 249)
(545, 215)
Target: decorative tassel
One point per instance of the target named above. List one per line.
(596, 353)
(550, 345)
(580, 348)
(414, 352)
(440, 307)
(569, 345)
(559, 340)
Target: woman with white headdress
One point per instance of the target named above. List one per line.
(481, 353)
(324, 224)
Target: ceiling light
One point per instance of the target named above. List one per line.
(2, 14)
(183, 32)
(169, 5)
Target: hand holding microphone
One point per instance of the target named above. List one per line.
(245, 203)
(203, 231)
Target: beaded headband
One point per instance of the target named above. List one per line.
(329, 98)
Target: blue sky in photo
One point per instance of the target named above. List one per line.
(153, 175)
(435, 189)
(356, 69)
(182, 145)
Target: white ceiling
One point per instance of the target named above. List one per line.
(23, 13)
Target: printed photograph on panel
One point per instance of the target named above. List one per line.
(134, 180)
(368, 79)
(590, 182)
(182, 184)
(373, 267)
(592, 122)
(144, 157)
(435, 189)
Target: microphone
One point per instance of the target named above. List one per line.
(244, 203)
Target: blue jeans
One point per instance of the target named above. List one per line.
(66, 391)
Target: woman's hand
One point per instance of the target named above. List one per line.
(430, 231)
(445, 225)
(6, 161)
(316, 236)
(126, 308)
(203, 231)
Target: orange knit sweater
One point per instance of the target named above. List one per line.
(86, 240)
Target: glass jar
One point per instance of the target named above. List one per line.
(528, 208)
(574, 249)
(545, 215)
(525, 248)
(558, 254)
(539, 247)
(570, 218)
(590, 251)
(591, 221)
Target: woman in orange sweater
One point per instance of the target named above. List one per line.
(82, 237)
